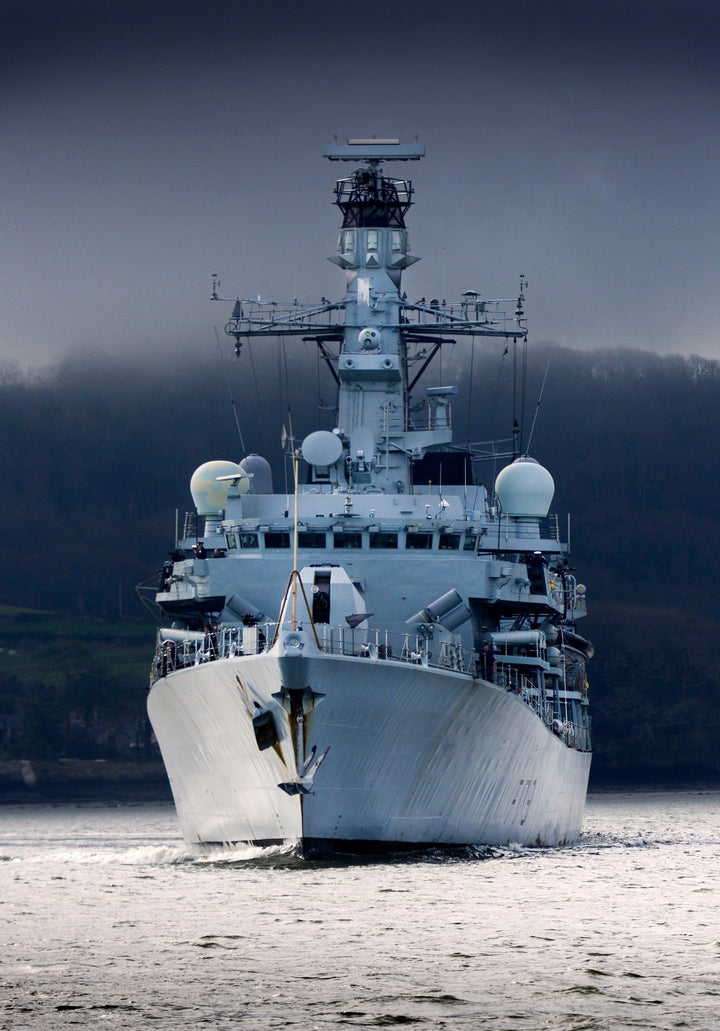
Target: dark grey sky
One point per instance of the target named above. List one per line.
(146, 145)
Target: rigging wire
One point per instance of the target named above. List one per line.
(470, 387)
(232, 399)
(493, 398)
(515, 427)
(291, 453)
(496, 385)
(280, 399)
(317, 373)
(522, 391)
(537, 407)
(254, 372)
(283, 368)
(283, 352)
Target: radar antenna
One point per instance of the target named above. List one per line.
(374, 150)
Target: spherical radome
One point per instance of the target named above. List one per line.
(321, 448)
(525, 489)
(259, 472)
(208, 493)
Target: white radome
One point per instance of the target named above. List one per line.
(209, 494)
(525, 489)
(321, 448)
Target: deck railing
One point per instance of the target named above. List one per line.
(180, 650)
(191, 649)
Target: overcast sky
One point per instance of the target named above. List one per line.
(147, 145)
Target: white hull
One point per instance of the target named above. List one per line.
(361, 731)
(414, 756)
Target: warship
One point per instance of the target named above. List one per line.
(386, 657)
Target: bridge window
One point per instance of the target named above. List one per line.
(418, 541)
(470, 542)
(311, 539)
(249, 540)
(383, 540)
(348, 539)
(277, 540)
(449, 541)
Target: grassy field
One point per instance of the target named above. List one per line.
(73, 687)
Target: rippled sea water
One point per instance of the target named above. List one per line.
(107, 920)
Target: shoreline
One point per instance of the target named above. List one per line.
(100, 780)
(79, 780)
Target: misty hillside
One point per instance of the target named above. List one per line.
(96, 456)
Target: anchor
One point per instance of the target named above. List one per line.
(303, 784)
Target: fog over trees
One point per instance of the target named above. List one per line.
(96, 456)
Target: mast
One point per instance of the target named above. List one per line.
(372, 365)
(377, 344)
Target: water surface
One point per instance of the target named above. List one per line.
(108, 920)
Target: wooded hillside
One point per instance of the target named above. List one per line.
(95, 457)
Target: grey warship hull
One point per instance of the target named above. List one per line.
(388, 657)
(415, 757)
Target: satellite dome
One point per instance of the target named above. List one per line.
(208, 493)
(321, 448)
(525, 489)
(260, 473)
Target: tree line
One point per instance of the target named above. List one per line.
(96, 456)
